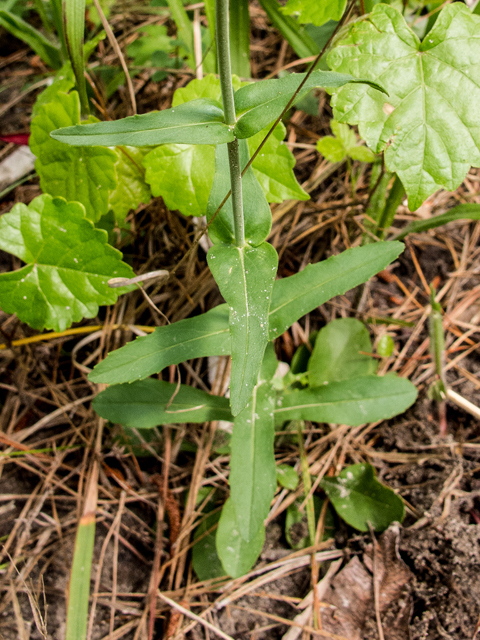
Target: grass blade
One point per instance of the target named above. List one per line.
(240, 38)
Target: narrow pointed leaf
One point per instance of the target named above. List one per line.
(340, 353)
(240, 38)
(256, 211)
(237, 555)
(74, 21)
(252, 465)
(245, 276)
(462, 212)
(259, 104)
(143, 404)
(295, 296)
(361, 500)
(429, 125)
(47, 51)
(201, 336)
(82, 175)
(352, 402)
(65, 278)
(196, 122)
(208, 334)
(296, 36)
(79, 585)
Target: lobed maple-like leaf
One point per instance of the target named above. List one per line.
(429, 124)
(68, 264)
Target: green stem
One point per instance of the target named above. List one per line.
(394, 200)
(225, 73)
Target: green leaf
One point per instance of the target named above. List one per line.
(273, 167)
(205, 560)
(207, 87)
(197, 337)
(184, 28)
(208, 333)
(191, 166)
(143, 404)
(47, 51)
(79, 583)
(336, 355)
(74, 26)
(260, 103)
(429, 126)
(360, 499)
(361, 153)
(385, 346)
(68, 265)
(256, 212)
(462, 212)
(296, 36)
(82, 175)
(240, 38)
(245, 277)
(63, 81)
(353, 402)
(131, 188)
(317, 12)
(197, 122)
(153, 38)
(237, 555)
(297, 295)
(287, 477)
(331, 148)
(252, 466)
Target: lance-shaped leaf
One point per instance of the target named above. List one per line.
(462, 212)
(148, 403)
(196, 122)
(245, 277)
(202, 336)
(260, 103)
(296, 36)
(74, 23)
(361, 500)
(340, 353)
(256, 212)
(352, 402)
(253, 475)
(295, 296)
(208, 333)
(47, 51)
(429, 126)
(237, 555)
(68, 265)
(82, 175)
(317, 12)
(131, 188)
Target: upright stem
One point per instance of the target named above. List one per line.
(225, 73)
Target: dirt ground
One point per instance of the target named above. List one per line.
(417, 581)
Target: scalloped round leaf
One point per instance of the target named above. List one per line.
(317, 12)
(81, 174)
(429, 124)
(131, 187)
(68, 264)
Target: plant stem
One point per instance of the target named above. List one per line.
(394, 200)
(225, 72)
